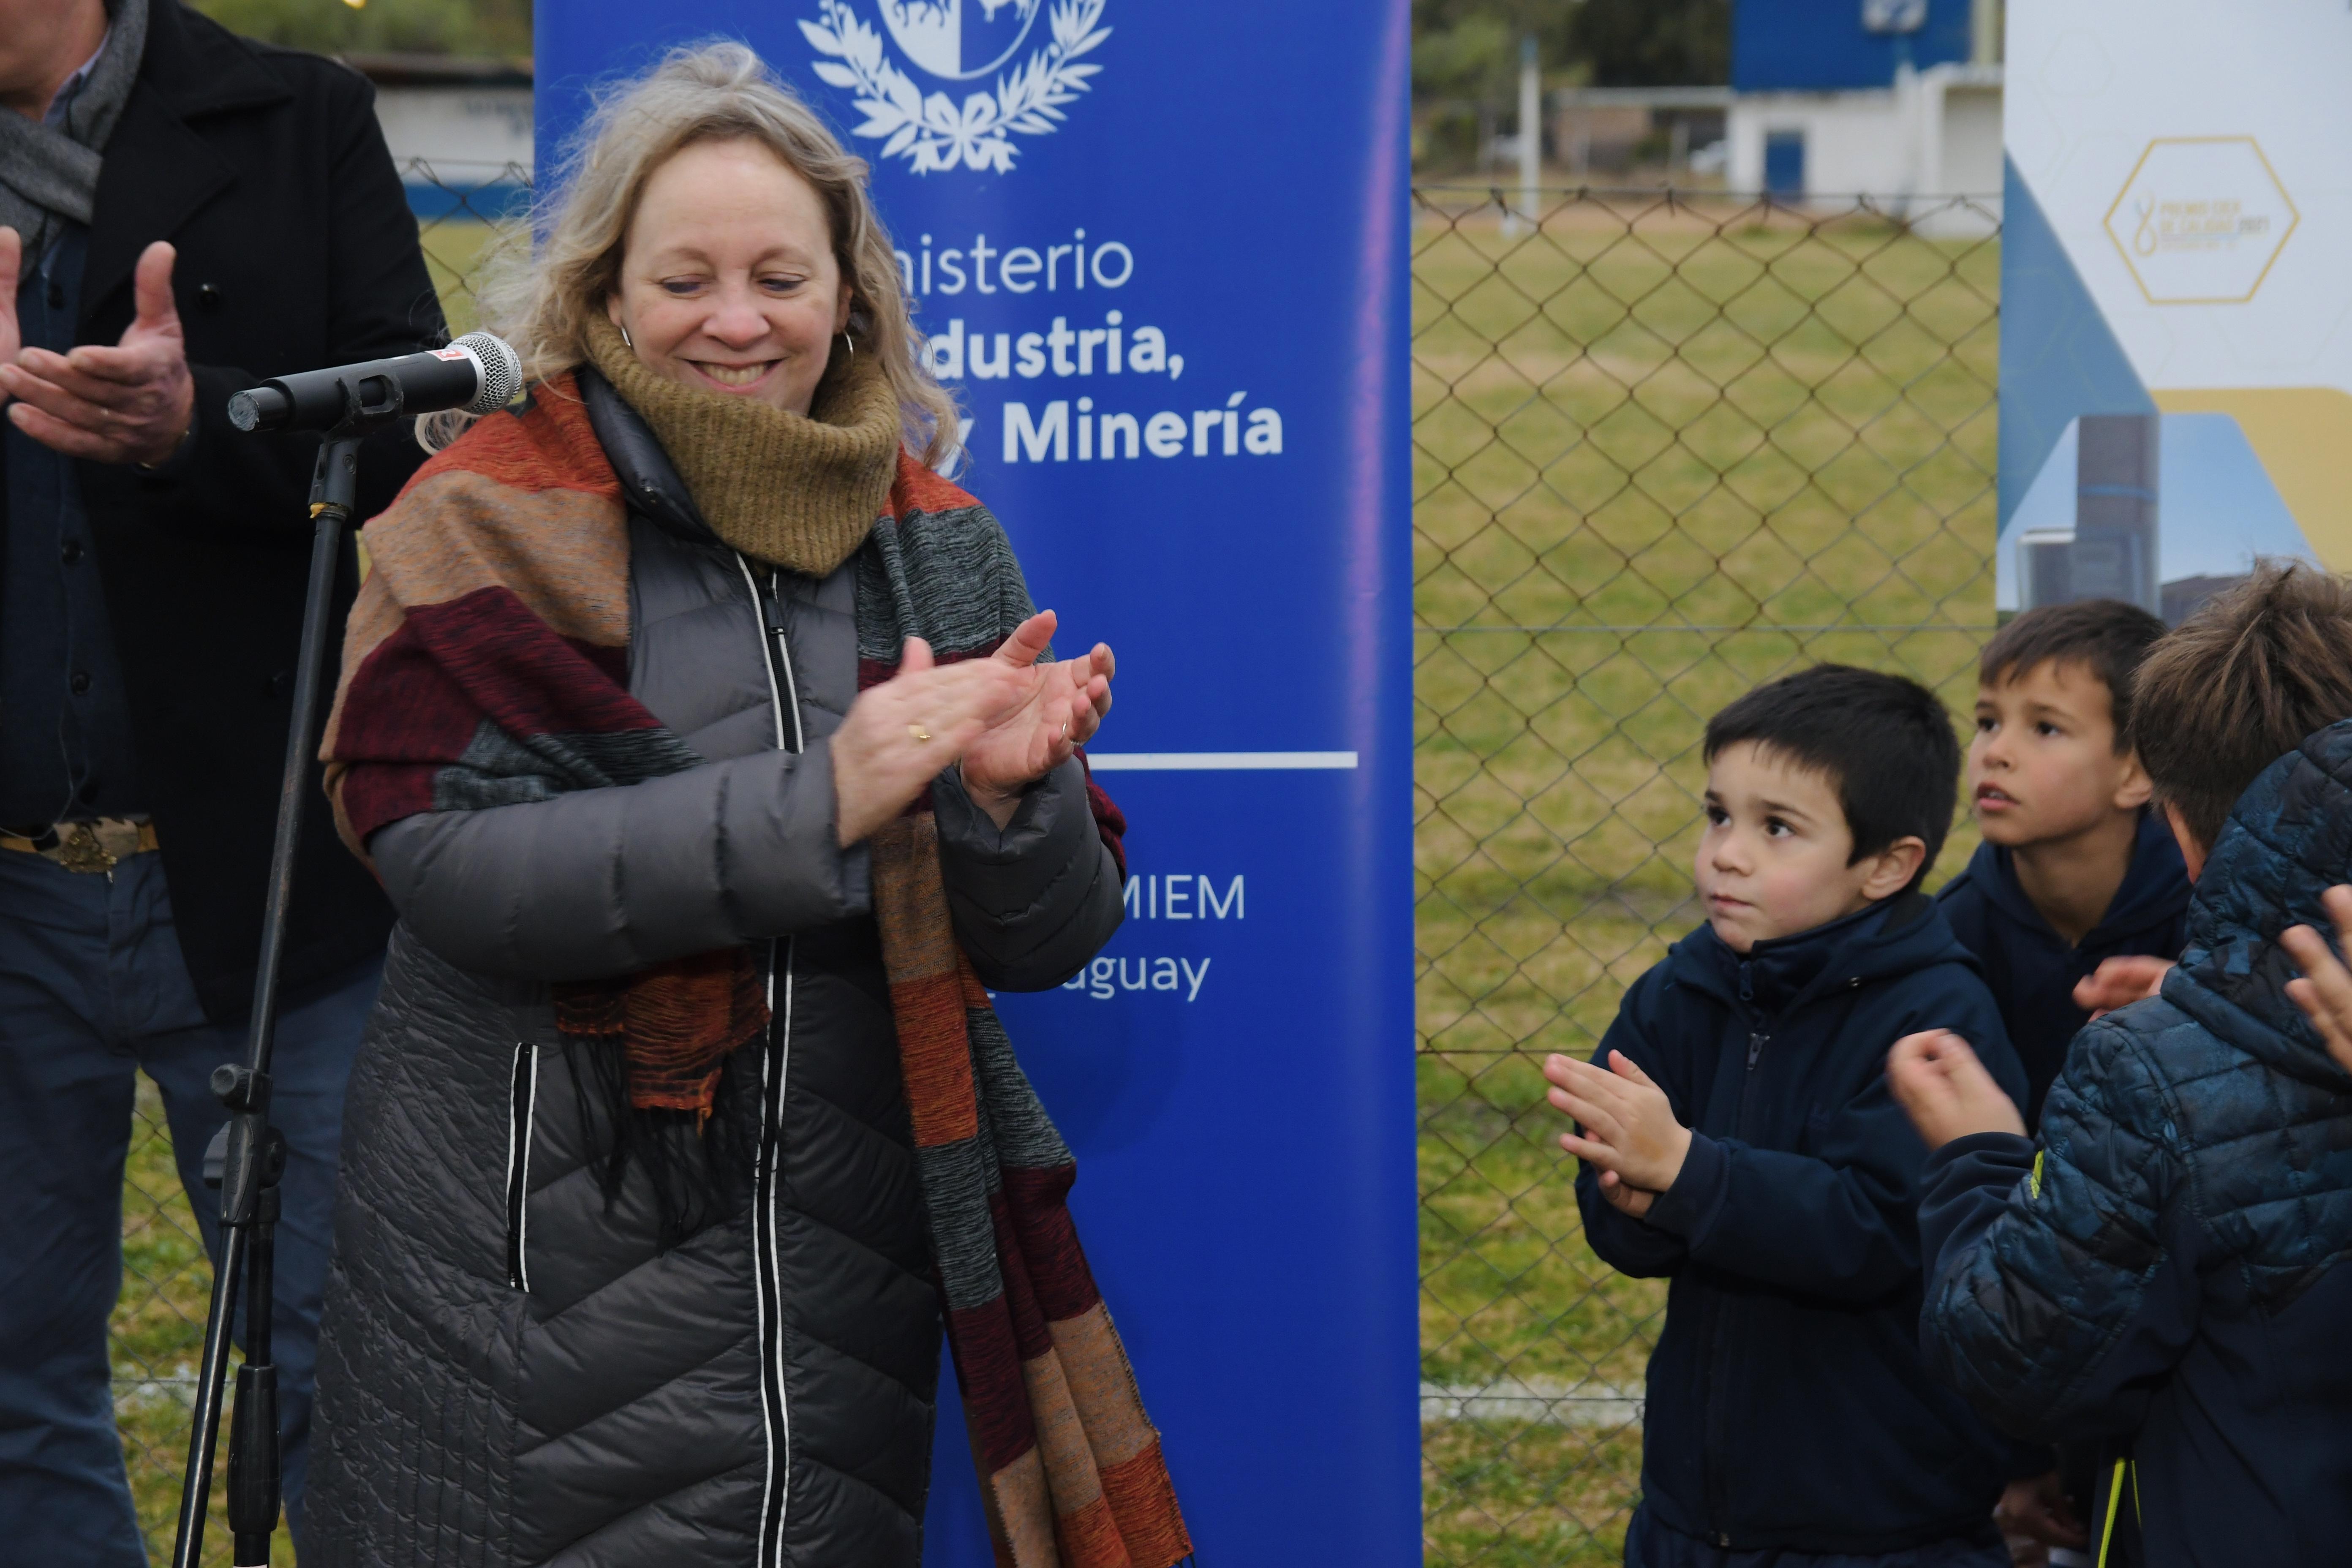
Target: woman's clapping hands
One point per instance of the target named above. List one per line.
(1060, 711)
(1007, 720)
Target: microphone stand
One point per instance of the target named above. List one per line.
(250, 1153)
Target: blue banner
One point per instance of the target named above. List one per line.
(1159, 251)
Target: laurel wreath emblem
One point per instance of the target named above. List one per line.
(936, 135)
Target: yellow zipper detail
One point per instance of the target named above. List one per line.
(2115, 1489)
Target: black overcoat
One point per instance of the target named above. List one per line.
(267, 170)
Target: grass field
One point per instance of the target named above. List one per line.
(1660, 454)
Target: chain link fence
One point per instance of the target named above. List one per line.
(1664, 447)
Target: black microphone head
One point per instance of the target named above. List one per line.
(501, 371)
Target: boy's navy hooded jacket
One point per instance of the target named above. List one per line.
(2171, 1260)
(2031, 969)
(1787, 1403)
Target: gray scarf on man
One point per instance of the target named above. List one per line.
(49, 173)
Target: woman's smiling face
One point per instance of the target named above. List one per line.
(729, 280)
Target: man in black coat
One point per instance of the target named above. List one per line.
(181, 212)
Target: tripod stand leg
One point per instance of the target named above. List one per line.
(196, 1481)
(253, 1456)
(255, 1153)
(253, 1466)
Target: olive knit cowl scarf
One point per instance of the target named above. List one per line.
(799, 492)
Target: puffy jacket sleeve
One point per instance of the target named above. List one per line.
(1630, 1246)
(606, 881)
(1839, 1220)
(1032, 903)
(2062, 1278)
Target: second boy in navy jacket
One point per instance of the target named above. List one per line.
(2032, 970)
(1786, 1388)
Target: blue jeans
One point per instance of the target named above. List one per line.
(93, 990)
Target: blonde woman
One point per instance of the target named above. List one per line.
(706, 742)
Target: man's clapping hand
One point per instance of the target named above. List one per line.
(12, 272)
(133, 403)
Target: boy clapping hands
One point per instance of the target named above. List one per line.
(1631, 1136)
(1737, 1136)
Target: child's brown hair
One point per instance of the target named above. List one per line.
(2238, 685)
(2105, 637)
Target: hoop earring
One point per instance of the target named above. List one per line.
(851, 346)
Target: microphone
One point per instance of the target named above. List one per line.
(478, 374)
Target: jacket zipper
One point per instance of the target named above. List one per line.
(1720, 1347)
(775, 1060)
(523, 1107)
(1719, 1336)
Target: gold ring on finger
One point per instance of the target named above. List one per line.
(921, 735)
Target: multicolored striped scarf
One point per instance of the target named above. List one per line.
(486, 663)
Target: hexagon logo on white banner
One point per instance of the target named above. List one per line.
(2200, 220)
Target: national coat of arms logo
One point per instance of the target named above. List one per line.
(959, 41)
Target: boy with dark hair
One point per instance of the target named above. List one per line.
(2169, 1263)
(1737, 1136)
(2075, 869)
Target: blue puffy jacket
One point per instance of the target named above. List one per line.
(2168, 1261)
(1788, 1404)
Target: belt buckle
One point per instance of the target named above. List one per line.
(79, 849)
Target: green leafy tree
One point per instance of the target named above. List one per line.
(496, 28)
(1654, 43)
(1469, 48)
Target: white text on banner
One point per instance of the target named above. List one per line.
(1216, 761)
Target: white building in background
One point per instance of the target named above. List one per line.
(1934, 132)
(1887, 99)
(459, 130)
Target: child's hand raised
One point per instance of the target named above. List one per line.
(2324, 991)
(1625, 1200)
(1630, 1127)
(1945, 1089)
(2119, 982)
